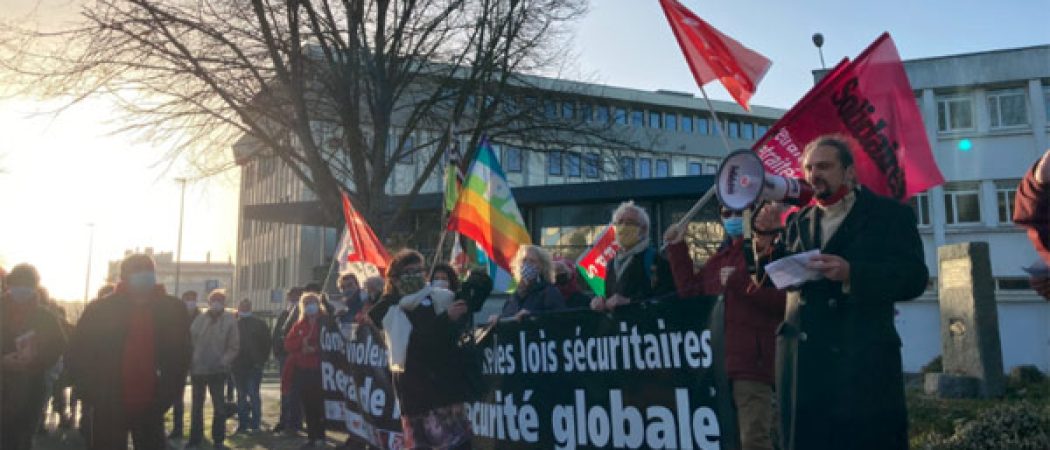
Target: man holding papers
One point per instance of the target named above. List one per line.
(839, 378)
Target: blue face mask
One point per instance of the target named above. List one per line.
(312, 309)
(142, 282)
(734, 226)
(21, 294)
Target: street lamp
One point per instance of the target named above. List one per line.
(91, 250)
(178, 250)
(818, 40)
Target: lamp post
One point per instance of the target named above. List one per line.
(91, 251)
(818, 40)
(178, 249)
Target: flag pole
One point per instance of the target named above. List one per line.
(445, 216)
(328, 275)
(711, 191)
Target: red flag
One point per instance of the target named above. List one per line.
(871, 101)
(593, 263)
(360, 244)
(714, 56)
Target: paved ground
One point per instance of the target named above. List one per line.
(59, 439)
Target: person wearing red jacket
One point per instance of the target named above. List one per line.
(752, 313)
(303, 366)
(1032, 211)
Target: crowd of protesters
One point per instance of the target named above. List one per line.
(117, 371)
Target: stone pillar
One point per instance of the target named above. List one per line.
(972, 353)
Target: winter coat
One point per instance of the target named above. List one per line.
(539, 297)
(751, 313)
(97, 349)
(216, 342)
(839, 377)
(254, 344)
(42, 331)
(637, 281)
(1032, 211)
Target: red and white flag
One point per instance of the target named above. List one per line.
(360, 251)
(714, 56)
(593, 263)
(871, 101)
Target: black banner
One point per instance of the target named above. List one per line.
(648, 376)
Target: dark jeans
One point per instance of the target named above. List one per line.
(309, 383)
(18, 426)
(231, 384)
(214, 383)
(249, 403)
(110, 428)
(178, 411)
(291, 409)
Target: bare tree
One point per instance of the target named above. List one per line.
(377, 80)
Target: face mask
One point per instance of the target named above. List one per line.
(734, 226)
(443, 284)
(561, 278)
(216, 306)
(142, 282)
(312, 309)
(410, 284)
(244, 314)
(529, 272)
(627, 235)
(22, 294)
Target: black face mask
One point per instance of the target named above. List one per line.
(561, 278)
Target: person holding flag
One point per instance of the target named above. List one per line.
(752, 313)
(637, 272)
(840, 383)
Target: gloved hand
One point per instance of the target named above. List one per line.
(476, 289)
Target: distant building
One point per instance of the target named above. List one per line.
(200, 276)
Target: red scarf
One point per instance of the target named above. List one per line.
(138, 368)
(834, 198)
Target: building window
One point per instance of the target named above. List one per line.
(734, 129)
(671, 121)
(1013, 284)
(590, 165)
(587, 111)
(637, 118)
(550, 109)
(572, 163)
(962, 204)
(1005, 193)
(760, 131)
(687, 124)
(512, 158)
(747, 131)
(1046, 102)
(602, 114)
(920, 203)
(568, 110)
(1007, 108)
(407, 151)
(710, 168)
(695, 168)
(654, 119)
(645, 168)
(954, 113)
(663, 168)
(621, 116)
(627, 167)
(703, 125)
(554, 163)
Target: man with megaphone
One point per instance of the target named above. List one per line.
(839, 379)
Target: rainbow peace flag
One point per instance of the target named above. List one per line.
(486, 211)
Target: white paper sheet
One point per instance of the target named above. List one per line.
(791, 270)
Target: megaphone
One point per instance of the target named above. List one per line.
(742, 181)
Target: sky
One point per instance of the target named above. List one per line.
(60, 174)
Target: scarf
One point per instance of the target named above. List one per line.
(624, 257)
(397, 328)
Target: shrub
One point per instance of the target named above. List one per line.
(1017, 426)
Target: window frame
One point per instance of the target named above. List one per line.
(693, 164)
(645, 164)
(625, 163)
(995, 97)
(951, 208)
(666, 163)
(945, 102)
(921, 208)
(552, 168)
(655, 117)
(1005, 195)
(510, 163)
(591, 162)
(568, 159)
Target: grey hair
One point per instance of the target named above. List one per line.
(628, 206)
